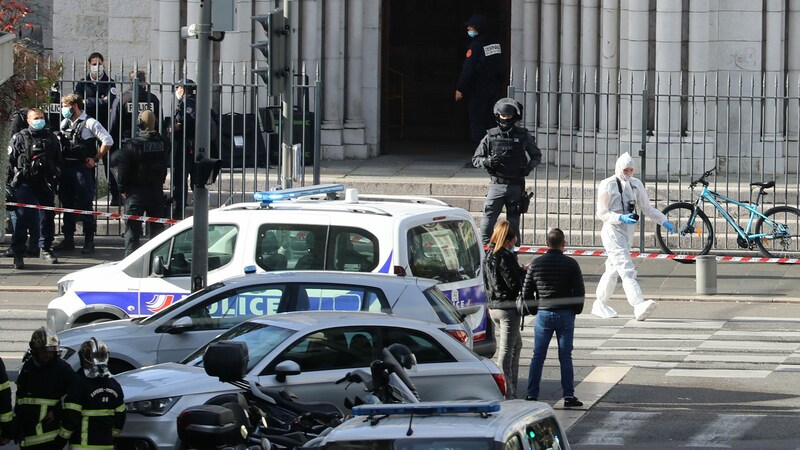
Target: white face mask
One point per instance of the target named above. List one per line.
(178, 95)
(96, 69)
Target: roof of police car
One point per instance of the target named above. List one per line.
(329, 276)
(459, 425)
(386, 208)
(302, 320)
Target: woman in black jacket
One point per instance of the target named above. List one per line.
(502, 279)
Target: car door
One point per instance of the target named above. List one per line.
(324, 357)
(158, 292)
(215, 314)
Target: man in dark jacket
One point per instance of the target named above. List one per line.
(555, 280)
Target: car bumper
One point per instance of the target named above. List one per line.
(486, 346)
(147, 432)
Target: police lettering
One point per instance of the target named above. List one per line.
(142, 106)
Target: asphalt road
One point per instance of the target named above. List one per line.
(696, 375)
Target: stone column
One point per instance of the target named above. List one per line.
(609, 66)
(234, 53)
(699, 121)
(371, 84)
(333, 80)
(793, 70)
(668, 68)
(548, 66)
(569, 79)
(530, 44)
(587, 80)
(773, 70)
(634, 43)
(353, 137)
(168, 50)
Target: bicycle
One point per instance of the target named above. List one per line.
(774, 232)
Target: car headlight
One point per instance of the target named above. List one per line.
(66, 352)
(154, 407)
(64, 286)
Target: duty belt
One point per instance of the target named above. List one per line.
(511, 181)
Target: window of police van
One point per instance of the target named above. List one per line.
(444, 251)
(177, 252)
(320, 297)
(315, 247)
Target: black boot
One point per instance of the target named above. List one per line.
(18, 262)
(88, 244)
(67, 244)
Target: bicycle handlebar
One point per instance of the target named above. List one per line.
(702, 179)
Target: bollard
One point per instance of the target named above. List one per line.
(706, 275)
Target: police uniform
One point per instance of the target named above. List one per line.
(98, 96)
(481, 81)
(94, 413)
(77, 187)
(183, 154)
(141, 168)
(34, 180)
(508, 156)
(6, 412)
(122, 112)
(38, 408)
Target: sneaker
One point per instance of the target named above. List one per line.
(9, 253)
(603, 311)
(18, 262)
(531, 399)
(643, 310)
(572, 402)
(65, 245)
(88, 247)
(48, 256)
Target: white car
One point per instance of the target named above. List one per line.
(468, 425)
(386, 234)
(305, 352)
(174, 332)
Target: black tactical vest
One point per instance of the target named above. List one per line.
(78, 149)
(152, 155)
(509, 148)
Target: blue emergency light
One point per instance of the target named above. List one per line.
(424, 408)
(249, 269)
(267, 197)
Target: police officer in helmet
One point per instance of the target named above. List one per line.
(509, 153)
(94, 409)
(43, 380)
(183, 128)
(141, 169)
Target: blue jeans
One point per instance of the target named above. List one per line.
(562, 322)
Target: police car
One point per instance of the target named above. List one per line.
(458, 425)
(310, 228)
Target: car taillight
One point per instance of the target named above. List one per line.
(459, 335)
(500, 379)
(478, 337)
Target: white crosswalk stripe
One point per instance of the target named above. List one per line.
(724, 431)
(617, 427)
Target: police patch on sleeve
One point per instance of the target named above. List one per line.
(491, 49)
(113, 91)
(469, 52)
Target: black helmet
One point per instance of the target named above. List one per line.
(187, 84)
(44, 339)
(507, 106)
(403, 355)
(94, 358)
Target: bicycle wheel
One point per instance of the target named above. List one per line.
(782, 226)
(694, 238)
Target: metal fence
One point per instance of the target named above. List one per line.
(674, 126)
(246, 125)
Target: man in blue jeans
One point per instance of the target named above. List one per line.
(555, 280)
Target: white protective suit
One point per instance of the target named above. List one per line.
(618, 237)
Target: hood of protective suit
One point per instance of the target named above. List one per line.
(623, 162)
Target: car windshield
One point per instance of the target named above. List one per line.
(444, 251)
(179, 303)
(447, 313)
(260, 339)
(415, 444)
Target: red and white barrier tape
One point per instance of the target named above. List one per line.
(97, 213)
(582, 252)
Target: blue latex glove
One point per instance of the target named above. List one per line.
(627, 218)
(669, 227)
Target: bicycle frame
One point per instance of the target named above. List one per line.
(707, 195)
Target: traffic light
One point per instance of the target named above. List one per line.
(206, 171)
(274, 50)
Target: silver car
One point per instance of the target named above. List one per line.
(325, 345)
(181, 327)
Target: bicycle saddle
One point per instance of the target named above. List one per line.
(766, 185)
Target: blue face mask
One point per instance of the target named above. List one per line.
(472, 33)
(66, 111)
(38, 124)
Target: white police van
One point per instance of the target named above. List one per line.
(311, 228)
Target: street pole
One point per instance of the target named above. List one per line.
(287, 156)
(202, 141)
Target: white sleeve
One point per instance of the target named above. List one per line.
(99, 132)
(644, 203)
(604, 198)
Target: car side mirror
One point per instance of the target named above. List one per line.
(179, 326)
(286, 368)
(158, 266)
(468, 311)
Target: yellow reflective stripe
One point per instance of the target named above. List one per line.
(5, 385)
(90, 447)
(120, 408)
(6, 417)
(65, 433)
(39, 439)
(84, 431)
(115, 432)
(37, 401)
(98, 412)
(73, 406)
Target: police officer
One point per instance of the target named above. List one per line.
(94, 409)
(482, 78)
(99, 92)
(79, 135)
(183, 122)
(122, 110)
(509, 153)
(43, 380)
(35, 160)
(141, 169)
(6, 412)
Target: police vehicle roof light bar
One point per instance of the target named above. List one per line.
(454, 407)
(267, 197)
